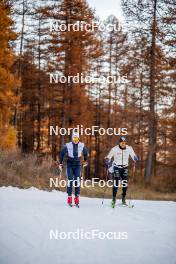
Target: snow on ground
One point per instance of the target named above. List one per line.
(27, 218)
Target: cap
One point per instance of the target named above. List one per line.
(122, 139)
(75, 135)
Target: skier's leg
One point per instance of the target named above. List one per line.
(70, 180)
(76, 173)
(124, 177)
(116, 182)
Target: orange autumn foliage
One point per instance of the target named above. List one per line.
(8, 82)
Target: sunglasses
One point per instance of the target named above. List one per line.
(76, 139)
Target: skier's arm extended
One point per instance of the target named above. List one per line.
(133, 155)
(63, 152)
(110, 154)
(85, 153)
(108, 158)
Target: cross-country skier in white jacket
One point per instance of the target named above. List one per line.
(120, 155)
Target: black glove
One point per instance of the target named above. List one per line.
(106, 163)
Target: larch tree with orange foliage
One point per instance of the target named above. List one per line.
(8, 82)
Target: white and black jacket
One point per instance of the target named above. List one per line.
(121, 156)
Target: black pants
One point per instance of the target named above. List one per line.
(120, 174)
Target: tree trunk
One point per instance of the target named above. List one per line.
(151, 157)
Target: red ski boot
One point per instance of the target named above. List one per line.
(69, 201)
(77, 201)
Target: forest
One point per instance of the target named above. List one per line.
(139, 52)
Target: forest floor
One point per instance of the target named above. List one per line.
(26, 171)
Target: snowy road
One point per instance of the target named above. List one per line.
(28, 217)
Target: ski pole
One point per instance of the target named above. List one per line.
(134, 169)
(60, 172)
(82, 171)
(105, 186)
(60, 169)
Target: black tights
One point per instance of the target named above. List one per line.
(120, 173)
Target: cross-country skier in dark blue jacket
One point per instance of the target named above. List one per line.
(73, 150)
